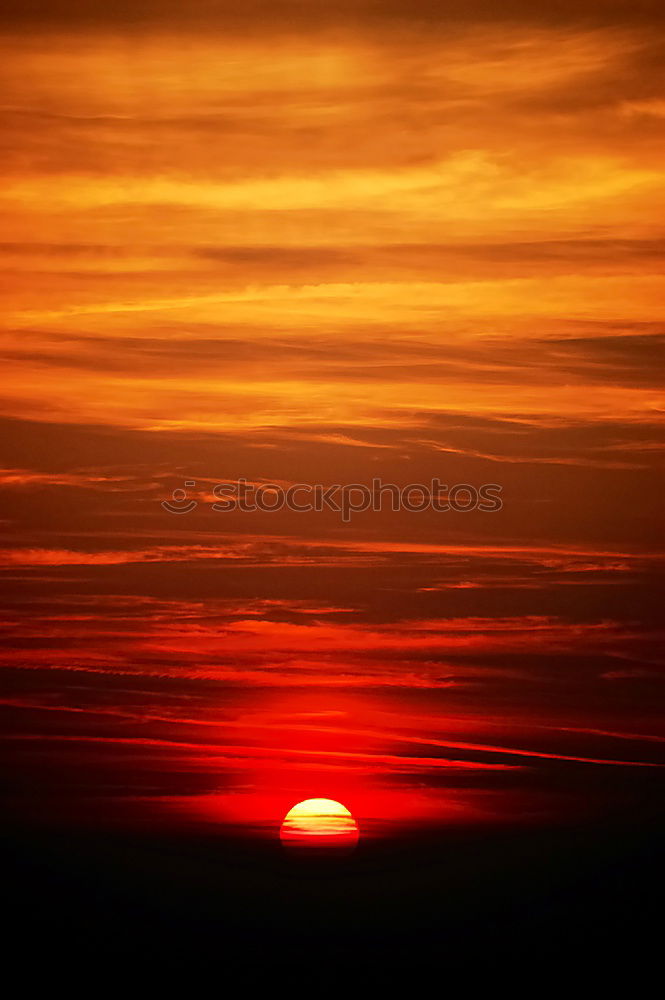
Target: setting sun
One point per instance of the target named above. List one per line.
(319, 823)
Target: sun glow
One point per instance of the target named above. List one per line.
(320, 824)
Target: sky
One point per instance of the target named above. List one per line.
(314, 243)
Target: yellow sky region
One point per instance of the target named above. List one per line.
(472, 195)
(467, 185)
(468, 127)
(208, 403)
(626, 299)
(201, 66)
(450, 187)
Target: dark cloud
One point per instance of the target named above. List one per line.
(288, 15)
(623, 359)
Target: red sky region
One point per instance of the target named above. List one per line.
(324, 244)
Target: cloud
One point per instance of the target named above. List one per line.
(328, 242)
(261, 15)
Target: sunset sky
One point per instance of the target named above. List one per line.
(323, 243)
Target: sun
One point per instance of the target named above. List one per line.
(319, 824)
